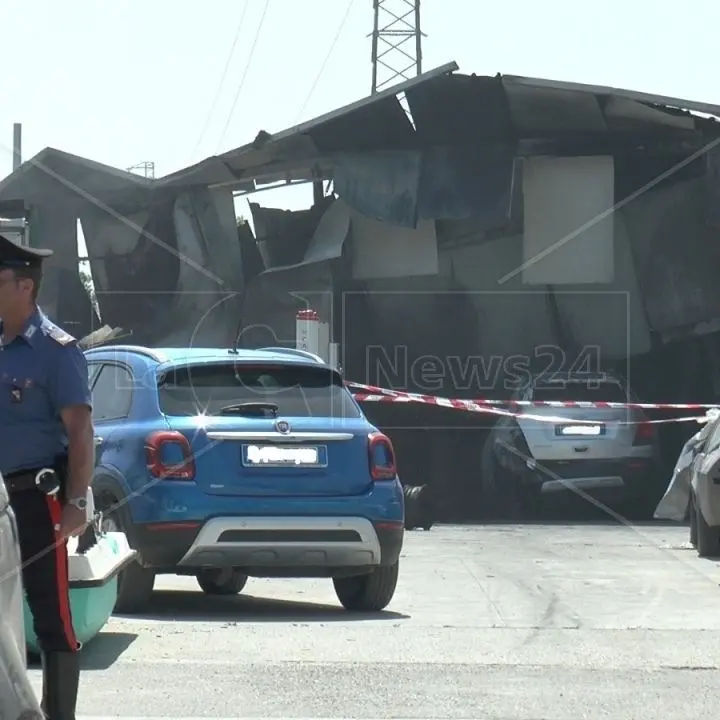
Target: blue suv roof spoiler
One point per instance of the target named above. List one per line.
(294, 351)
(139, 349)
(159, 357)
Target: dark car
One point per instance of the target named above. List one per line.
(17, 698)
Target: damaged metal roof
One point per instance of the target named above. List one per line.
(447, 109)
(450, 109)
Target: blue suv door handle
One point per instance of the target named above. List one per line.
(99, 440)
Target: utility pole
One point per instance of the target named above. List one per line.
(396, 42)
(15, 228)
(17, 146)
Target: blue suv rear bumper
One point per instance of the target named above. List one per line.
(179, 529)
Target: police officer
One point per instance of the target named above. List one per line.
(46, 459)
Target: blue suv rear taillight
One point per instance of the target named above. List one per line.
(382, 457)
(169, 456)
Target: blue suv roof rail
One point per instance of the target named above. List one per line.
(297, 353)
(138, 349)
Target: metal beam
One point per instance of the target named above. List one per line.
(305, 127)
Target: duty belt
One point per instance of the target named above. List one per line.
(44, 479)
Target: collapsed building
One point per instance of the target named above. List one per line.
(465, 231)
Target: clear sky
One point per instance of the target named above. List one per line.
(124, 81)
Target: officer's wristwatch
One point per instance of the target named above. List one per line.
(80, 503)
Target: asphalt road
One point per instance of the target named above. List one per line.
(551, 622)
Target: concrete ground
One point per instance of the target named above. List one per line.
(552, 622)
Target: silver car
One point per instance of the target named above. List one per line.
(610, 453)
(17, 698)
(705, 492)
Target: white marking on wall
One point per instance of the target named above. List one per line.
(562, 195)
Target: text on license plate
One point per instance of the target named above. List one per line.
(583, 430)
(282, 456)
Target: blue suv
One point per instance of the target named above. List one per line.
(225, 464)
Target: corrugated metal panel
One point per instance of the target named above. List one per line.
(584, 310)
(460, 109)
(540, 112)
(676, 255)
(643, 97)
(625, 114)
(382, 185)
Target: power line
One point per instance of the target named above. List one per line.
(245, 73)
(326, 60)
(230, 56)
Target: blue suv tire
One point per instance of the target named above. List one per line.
(368, 593)
(225, 581)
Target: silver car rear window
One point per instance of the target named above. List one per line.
(577, 391)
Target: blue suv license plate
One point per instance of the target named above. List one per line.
(299, 456)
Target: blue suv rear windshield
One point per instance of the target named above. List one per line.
(297, 390)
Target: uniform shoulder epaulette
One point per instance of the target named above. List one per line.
(56, 333)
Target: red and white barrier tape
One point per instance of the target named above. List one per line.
(471, 406)
(359, 389)
(475, 406)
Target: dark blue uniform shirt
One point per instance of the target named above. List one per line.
(42, 371)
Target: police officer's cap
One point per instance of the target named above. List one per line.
(14, 256)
